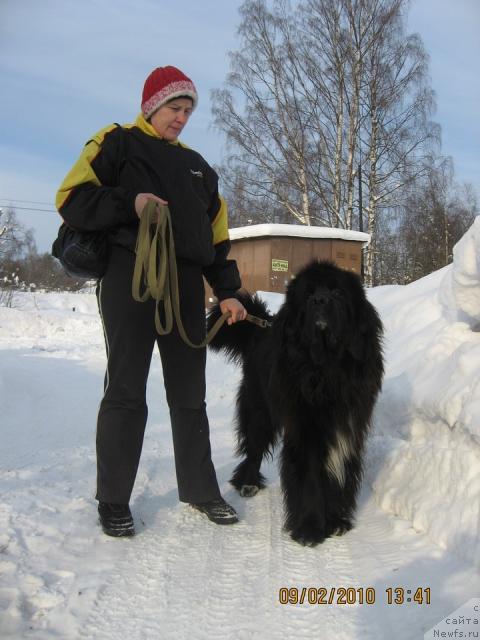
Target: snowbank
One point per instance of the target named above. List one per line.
(49, 320)
(425, 450)
(460, 289)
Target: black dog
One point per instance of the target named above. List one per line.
(313, 376)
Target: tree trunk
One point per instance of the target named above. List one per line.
(372, 197)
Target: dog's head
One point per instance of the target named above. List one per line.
(328, 313)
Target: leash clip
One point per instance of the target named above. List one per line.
(261, 322)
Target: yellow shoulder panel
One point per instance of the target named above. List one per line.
(82, 171)
(220, 223)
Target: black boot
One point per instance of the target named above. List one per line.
(217, 511)
(116, 519)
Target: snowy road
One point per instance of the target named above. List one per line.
(184, 578)
(181, 576)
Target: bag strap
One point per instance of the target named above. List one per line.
(156, 267)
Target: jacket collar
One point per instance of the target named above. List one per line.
(147, 128)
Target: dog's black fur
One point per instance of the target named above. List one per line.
(313, 377)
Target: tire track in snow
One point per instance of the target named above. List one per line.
(299, 567)
(184, 570)
(184, 577)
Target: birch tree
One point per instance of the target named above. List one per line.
(397, 133)
(317, 91)
(268, 141)
(15, 240)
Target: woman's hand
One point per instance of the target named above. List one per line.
(236, 308)
(142, 199)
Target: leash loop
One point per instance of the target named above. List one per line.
(155, 274)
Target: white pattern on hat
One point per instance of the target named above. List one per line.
(172, 90)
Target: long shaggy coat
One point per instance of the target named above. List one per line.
(310, 379)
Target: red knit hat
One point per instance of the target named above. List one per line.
(164, 84)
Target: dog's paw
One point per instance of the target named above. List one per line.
(247, 481)
(249, 490)
(308, 535)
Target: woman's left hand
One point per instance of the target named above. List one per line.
(236, 308)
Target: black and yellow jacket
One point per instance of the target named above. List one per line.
(121, 161)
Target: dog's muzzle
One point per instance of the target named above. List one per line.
(319, 311)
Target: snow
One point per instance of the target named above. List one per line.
(460, 291)
(429, 414)
(184, 577)
(297, 231)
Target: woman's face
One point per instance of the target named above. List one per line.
(169, 120)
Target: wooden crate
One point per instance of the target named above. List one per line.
(269, 256)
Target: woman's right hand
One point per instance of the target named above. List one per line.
(142, 199)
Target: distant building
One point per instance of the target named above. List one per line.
(269, 255)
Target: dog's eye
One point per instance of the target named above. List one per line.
(337, 293)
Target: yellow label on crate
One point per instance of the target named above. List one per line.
(279, 265)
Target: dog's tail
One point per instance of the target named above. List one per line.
(236, 339)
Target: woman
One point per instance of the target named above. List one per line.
(120, 169)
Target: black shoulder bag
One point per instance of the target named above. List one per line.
(83, 254)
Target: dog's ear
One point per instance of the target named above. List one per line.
(358, 344)
(287, 323)
(366, 332)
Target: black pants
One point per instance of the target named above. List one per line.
(130, 336)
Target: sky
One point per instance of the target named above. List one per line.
(67, 69)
